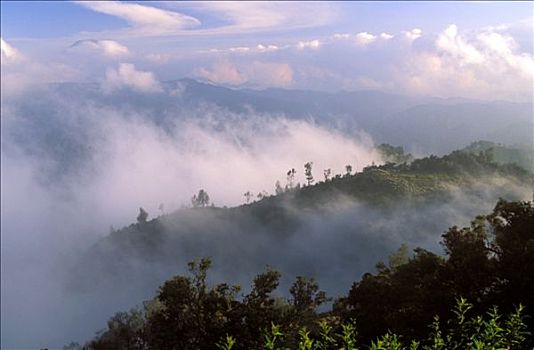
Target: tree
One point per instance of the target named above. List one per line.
(191, 315)
(512, 224)
(291, 178)
(72, 346)
(393, 154)
(305, 298)
(400, 257)
(469, 263)
(124, 332)
(348, 169)
(248, 196)
(327, 173)
(490, 264)
(262, 194)
(308, 172)
(259, 308)
(142, 217)
(201, 200)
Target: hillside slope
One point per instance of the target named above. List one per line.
(362, 217)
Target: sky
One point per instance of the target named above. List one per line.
(481, 50)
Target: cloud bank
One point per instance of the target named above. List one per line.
(8, 52)
(258, 73)
(126, 75)
(50, 216)
(144, 20)
(108, 48)
(487, 63)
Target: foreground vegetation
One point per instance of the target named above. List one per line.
(412, 302)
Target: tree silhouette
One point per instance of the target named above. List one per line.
(327, 173)
(291, 178)
(308, 172)
(201, 200)
(262, 195)
(143, 215)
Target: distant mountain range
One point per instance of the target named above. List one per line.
(422, 125)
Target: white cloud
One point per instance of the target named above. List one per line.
(112, 48)
(256, 16)
(490, 50)
(108, 48)
(265, 74)
(341, 36)
(8, 52)
(450, 42)
(267, 48)
(413, 34)
(146, 20)
(168, 18)
(239, 49)
(482, 64)
(20, 72)
(260, 48)
(504, 46)
(312, 44)
(222, 72)
(128, 76)
(386, 36)
(365, 38)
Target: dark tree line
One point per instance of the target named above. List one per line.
(490, 263)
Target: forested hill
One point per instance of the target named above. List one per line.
(334, 229)
(408, 303)
(376, 209)
(522, 155)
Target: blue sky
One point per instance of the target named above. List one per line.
(468, 49)
(52, 19)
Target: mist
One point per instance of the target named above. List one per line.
(74, 170)
(64, 187)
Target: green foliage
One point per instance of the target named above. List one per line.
(227, 343)
(387, 342)
(394, 154)
(463, 332)
(125, 332)
(327, 338)
(348, 337)
(190, 314)
(305, 342)
(489, 263)
(272, 337)
(522, 156)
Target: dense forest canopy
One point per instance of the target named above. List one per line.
(415, 299)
